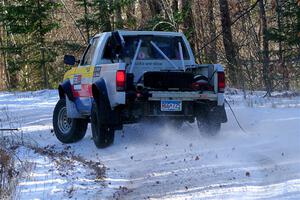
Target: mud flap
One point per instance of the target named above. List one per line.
(218, 114)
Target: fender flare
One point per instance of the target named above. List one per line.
(65, 89)
(99, 90)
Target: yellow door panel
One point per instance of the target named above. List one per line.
(86, 72)
(69, 74)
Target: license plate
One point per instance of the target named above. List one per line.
(171, 106)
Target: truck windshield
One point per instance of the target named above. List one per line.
(167, 44)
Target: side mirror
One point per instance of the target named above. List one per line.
(69, 60)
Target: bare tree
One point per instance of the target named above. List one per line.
(285, 75)
(42, 49)
(230, 52)
(180, 6)
(265, 50)
(118, 21)
(211, 53)
(3, 62)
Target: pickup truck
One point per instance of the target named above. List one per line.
(126, 76)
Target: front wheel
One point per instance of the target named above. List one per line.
(67, 130)
(103, 135)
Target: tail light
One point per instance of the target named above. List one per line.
(120, 80)
(202, 86)
(195, 86)
(221, 82)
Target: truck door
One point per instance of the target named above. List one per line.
(83, 77)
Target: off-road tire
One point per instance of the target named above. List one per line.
(103, 135)
(208, 127)
(67, 130)
(177, 124)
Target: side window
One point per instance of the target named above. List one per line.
(88, 56)
(107, 50)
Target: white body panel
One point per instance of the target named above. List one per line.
(108, 73)
(218, 68)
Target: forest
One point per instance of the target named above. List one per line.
(258, 41)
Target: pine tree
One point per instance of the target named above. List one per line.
(102, 10)
(289, 30)
(287, 35)
(86, 22)
(27, 23)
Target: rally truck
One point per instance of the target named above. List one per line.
(124, 77)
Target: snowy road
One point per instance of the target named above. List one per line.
(158, 162)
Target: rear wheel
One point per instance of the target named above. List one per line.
(207, 126)
(103, 135)
(67, 130)
(177, 124)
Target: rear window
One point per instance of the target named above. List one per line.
(168, 45)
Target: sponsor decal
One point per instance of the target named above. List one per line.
(97, 71)
(77, 82)
(77, 79)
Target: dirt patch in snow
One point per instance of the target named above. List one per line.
(65, 160)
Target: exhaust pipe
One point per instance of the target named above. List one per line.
(139, 87)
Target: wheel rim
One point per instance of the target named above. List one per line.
(64, 123)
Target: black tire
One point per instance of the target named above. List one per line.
(207, 126)
(177, 124)
(67, 130)
(103, 135)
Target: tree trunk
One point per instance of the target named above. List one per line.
(285, 76)
(211, 52)
(229, 46)
(180, 7)
(86, 19)
(3, 61)
(265, 51)
(118, 15)
(4, 41)
(105, 8)
(154, 6)
(42, 51)
(143, 13)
